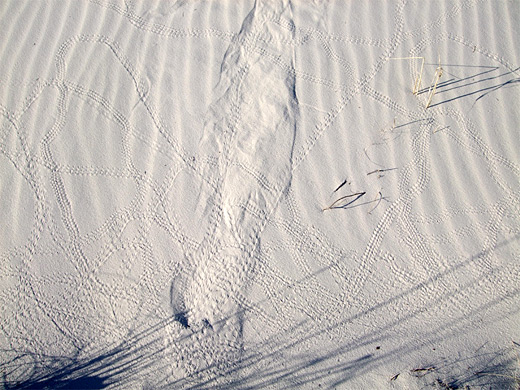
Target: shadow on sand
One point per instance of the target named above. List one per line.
(470, 86)
(284, 359)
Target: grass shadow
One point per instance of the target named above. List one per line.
(266, 364)
(459, 83)
(116, 364)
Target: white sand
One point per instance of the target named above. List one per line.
(164, 168)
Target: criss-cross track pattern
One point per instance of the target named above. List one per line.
(166, 169)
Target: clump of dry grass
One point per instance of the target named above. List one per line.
(418, 78)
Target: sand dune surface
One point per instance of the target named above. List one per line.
(260, 194)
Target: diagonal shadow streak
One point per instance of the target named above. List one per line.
(441, 89)
(257, 367)
(489, 89)
(116, 364)
(441, 86)
(309, 369)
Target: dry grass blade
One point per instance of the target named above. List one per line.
(341, 185)
(418, 78)
(433, 86)
(417, 84)
(378, 201)
(366, 154)
(381, 170)
(337, 202)
(420, 372)
(423, 369)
